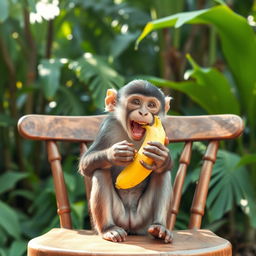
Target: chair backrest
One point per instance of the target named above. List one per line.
(211, 128)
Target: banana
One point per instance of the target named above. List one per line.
(135, 173)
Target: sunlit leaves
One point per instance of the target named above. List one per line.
(209, 88)
(97, 74)
(238, 42)
(49, 72)
(43, 10)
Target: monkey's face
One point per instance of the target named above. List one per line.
(140, 111)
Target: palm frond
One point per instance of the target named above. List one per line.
(97, 74)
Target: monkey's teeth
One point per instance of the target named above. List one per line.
(137, 130)
(140, 122)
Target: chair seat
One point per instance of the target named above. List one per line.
(59, 241)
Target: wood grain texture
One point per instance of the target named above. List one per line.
(83, 242)
(178, 128)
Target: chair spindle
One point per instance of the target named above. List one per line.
(54, 158)
(179, 181)
(199, 200)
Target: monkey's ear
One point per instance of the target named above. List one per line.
(110, 100)
(167, 103)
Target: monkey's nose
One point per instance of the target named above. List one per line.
(143, 113)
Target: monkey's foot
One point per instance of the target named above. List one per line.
(114, 234)
(160, 231)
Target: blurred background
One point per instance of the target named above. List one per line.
(60, 57)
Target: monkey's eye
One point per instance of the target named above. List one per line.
(136, 102)
(151, 104)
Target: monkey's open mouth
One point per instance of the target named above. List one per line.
(138, 130)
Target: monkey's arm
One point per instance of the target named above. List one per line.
(92, 161)
(121, 154)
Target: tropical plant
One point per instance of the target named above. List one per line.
(58, 57)
(218, 93)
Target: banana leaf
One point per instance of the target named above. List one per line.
(238, 42)
(210, 89)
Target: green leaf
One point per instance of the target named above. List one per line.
(27, 194)
(121, 43)
(78, 210)
(8, 180)
(49, 72)
(214, 97)
(238, 43)
(4, 10)
(97, 74)
(6, 121)
(220, 2)
(247, 159)
(3, 252)
(70, 182)
(32, 5)
(67, 103)
(9, 220)
(215, 226)
(3, 238)
(185, 17)
(229, 185)
(176, 149)
(18, 248)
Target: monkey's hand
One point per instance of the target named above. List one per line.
(121, 153)
(160, 156)
(160, 231)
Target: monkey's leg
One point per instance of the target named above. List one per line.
(161, 184)
(156, 200)
(102, 200)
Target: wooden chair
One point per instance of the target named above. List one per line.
(193, 241)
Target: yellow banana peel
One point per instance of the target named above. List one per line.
(135, 173)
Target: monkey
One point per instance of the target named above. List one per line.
(142, 209)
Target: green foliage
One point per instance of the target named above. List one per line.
(247, 159)
(17, 248)
(239, 54)
(9, 179)
(68, 103)
(95, 72)
(49, 72)
(9, 221)
(121, 43)
(4, 10)
(215, 98)
(63, 65)
(6, 121)
(230, 184)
